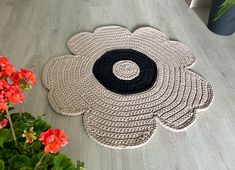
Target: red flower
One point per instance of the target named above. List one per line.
(6, 69)
(28, 75)
(62, 137)
(14, 95)
(53, 148)
(3, 60)
(3, 107)
(53, 139)
(4, 86)
(24, 78)
(9, 93)
(3, 123)
(47, 137)
(9, 69)
(16, 77)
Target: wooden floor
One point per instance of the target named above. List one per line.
(32, 31)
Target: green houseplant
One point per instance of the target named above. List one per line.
(222, 17)
(27, 142)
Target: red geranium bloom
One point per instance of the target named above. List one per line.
(47, 137)
(3, 60)
(52, 148)
(3, 107)
(28, 75)
(9, 93)
(3, 123)
(6, 69)
(4, 85)
(16, 77)
(53, 139)
(24, 78)
(2, 98)
(9, 69)
(14, 95)
(63, 138)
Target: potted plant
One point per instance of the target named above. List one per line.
(26, 142)
(222, 17)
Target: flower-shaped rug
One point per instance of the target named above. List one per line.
(124, 84)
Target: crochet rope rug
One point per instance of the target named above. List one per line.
(124, 84)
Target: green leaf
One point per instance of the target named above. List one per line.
(19, 161)
(5, 136)
(6, 154)
(24, 121)
(21, 122)
(80, 165)
(223, 8)
(22, 117)
(12, 146)
(10, 108)
(2, 116)
(26, 168)
(37, 145)
(46, 163)
(40, 125)
(36, 157)
(2, 166)
(61, 162)
(41, 116)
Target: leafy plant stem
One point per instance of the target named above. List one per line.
(39, 162)
(11, 125)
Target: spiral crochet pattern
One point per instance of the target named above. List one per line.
(124, 84)
(125, 71)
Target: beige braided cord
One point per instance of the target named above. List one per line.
(127, 121)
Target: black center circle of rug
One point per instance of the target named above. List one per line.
(103, 71)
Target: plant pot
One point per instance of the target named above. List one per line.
(225, 25)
